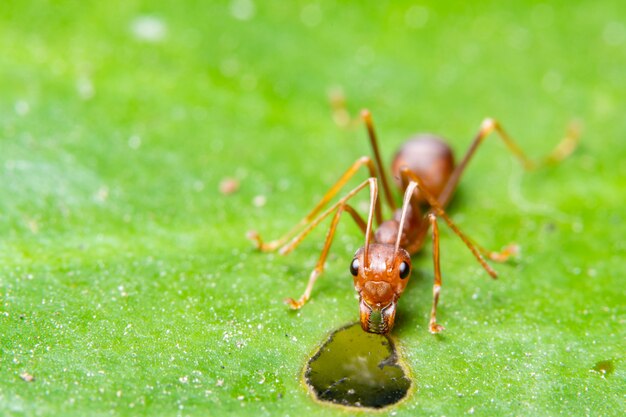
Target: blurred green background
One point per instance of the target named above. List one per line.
(127, 286)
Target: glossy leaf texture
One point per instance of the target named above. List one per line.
(140, 141)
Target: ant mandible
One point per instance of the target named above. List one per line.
(425, 171)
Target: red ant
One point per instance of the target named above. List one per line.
(425, 171)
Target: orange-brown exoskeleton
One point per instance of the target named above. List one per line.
(425, 171)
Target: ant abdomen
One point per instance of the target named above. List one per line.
(430, 158)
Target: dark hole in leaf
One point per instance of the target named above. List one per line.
(605, 368)
(358, 369)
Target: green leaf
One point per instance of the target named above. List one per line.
(127, 285)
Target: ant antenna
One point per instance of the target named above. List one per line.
(370, 218)
(405, 204)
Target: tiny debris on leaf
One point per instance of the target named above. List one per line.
(27, 377)
(229, 186)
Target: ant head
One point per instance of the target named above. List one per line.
(380, 279)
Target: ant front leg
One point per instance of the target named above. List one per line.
(339, 208)
(432, 325)
(275, 244)
(414, 181)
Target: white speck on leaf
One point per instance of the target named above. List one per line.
(551, 81)
(242, 9)
(416, 17)
(229, 67)
(311, 15)
(102, 194)
(248, 82)
(149, 28)
(614, 33)
(21, 107)
(134, 142)
(365, 55)
(259, 201)
(85, 88)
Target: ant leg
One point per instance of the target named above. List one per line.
(432, 325)
(501, 256)
(561, 151)
(340, 113)
(319, 267)
(509, 250)
(340, 207)
(367, 118)
(275, 244)
(416, 181)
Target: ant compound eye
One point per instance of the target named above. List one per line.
(405, 270)
(354, 267)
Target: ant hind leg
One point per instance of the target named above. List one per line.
(565, 147)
